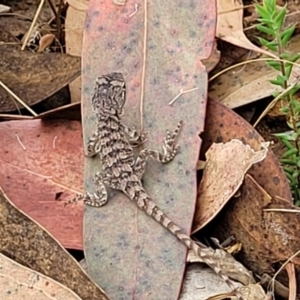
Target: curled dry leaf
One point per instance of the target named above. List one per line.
(19, 282)
(223, 174)
(212, 61)
(230, 25)
(46, 41)
(223, 125)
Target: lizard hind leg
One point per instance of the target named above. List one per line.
(97, 199)
(169, 152)
(93, 145)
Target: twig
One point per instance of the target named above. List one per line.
(58, 21)
(17, 98)
(135, 10)
(144, 66)
(272, 282)
(22, 145)
(181, 92)
(52, 6)
(32, 24)
(273, 103)
(54, 142)
(288, 210)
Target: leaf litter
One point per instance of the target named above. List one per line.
(133, 13)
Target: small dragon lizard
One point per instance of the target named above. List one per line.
(114, 142)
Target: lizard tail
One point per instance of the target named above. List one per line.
(207, 255)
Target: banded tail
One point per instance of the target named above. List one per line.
(144, 202)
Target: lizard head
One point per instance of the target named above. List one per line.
(110, 94)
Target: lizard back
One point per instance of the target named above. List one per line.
(115, 152)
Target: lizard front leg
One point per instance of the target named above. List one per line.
(93, 145)
(134, 138)
(169, 152)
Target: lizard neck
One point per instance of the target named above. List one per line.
(106, 117)
(106, 121)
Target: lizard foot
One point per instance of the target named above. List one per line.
(94, 199)
(169, 147)
(97, 199)
(137, 139)
(79, 197)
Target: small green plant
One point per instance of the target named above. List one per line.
(271, 23)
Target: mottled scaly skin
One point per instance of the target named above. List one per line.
(121, 170)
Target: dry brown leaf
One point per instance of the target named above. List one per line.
(250, 82)
(252, 17)
(230, 25)
(14, 25)
(34, 77)
(19, 282)
(28, 243)
(213, 60)
(80, 5)
(7, 37)
(75, 18)
(223, 174)
(245, 215)
(231, 54)
(269, 237)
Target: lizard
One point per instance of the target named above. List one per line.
(121, 170)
